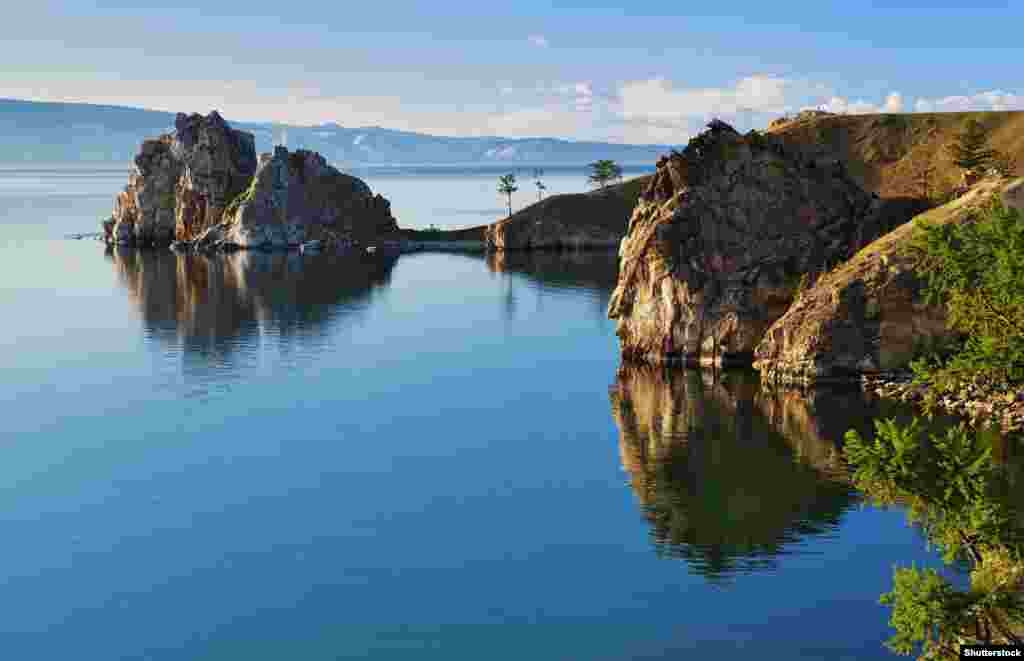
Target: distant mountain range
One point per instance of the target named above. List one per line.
(52, 132)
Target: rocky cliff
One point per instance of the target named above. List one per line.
(202, 185)
(717, 246)
(297, 197)
(868, 314)
(181, 182)
(584, 220)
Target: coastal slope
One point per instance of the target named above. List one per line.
(890, 154)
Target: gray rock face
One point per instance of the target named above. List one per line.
(296, 197)
(181, 182)
(719, 241)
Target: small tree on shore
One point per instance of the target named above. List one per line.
(604, 171)
(970, 149)
(507, 186)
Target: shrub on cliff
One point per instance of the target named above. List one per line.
(975, 270)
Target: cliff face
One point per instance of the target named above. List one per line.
(868, 314)
(181, 182)
(719, 240)
(296, 197)
(202, 185)
(586, 220)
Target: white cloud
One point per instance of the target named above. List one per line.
(893, 103)
(844, 106)
(539, 40)
(658, 99)
(991, 100)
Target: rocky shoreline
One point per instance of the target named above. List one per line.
(979, 406)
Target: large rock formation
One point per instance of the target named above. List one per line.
(202, 185)
(297, 197)
(868, 314)
(181, 182)
(720, 239)
(582, 220)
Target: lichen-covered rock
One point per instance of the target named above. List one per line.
(868, 314)
(181, 182)
(296, 197)
(718, 243)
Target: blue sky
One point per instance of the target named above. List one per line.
(651, 71)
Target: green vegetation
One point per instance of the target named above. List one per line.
(970, 149)
(963, 501)
(604, 172)
(958, 488)
(507, 186)
(975, 270)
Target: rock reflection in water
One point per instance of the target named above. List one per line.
(214, 305)
(592, 272)
(729, 477)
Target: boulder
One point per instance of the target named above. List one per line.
(868, 315)
(181, 182)
(295, 198)
(720, 239)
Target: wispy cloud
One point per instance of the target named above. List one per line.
(991, 100)
(539, 40)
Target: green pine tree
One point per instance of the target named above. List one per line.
(507, 186)
(970, 150)
(604, 171)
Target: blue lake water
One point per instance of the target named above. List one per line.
(436, 457)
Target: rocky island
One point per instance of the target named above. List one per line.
(202, 187)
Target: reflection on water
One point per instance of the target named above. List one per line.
(213, 306)
(581, 274)
(728, 477)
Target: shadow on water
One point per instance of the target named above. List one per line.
(212, 306)
(729, 475)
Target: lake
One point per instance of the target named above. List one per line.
(271, 456)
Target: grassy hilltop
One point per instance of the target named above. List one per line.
(885, 153)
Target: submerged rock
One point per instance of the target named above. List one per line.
(201, 188)
(868, 315)
(718, 243)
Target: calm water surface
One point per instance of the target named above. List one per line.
(435, 457)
